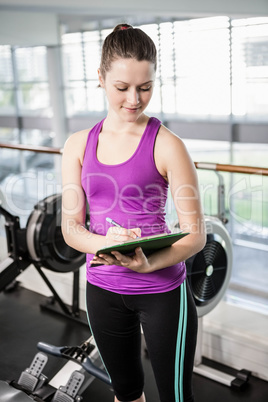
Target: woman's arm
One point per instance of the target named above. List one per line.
(173, 161)
(73, 198)
(74, 203)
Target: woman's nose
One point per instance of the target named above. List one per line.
(133, 97)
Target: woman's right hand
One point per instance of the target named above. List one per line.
(117, 235)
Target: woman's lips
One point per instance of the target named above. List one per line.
(131, 110)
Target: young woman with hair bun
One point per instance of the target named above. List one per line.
(123, 167)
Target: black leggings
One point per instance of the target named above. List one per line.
(169, 323)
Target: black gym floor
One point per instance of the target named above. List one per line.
(23, 324)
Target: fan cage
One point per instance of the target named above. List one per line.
(209, 271)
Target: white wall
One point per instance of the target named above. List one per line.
(28, 29)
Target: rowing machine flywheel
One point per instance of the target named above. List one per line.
(45, 240)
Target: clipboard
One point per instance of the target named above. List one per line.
(148, 244)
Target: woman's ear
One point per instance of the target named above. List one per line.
(101, 81)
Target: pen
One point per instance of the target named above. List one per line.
(113, 222)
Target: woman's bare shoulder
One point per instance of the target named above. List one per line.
(77, 138)
(76, 143)
(169, 141)
(169, 135)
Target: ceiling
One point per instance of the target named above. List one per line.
(82, 14)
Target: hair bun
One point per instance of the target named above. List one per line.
(122, 27)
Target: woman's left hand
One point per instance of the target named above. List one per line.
(137, 262)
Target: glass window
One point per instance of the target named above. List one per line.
(202, 59)
(166, 50)
(69, 38)
(92, 48)
(250, 68)
(27, 177)
(31, 64)
(7, 100)
(32, 81)
(75, 96)
(249, 198)
(95, 97)
(155, 104)
(72, 56)
(33, 98)
(6, 71)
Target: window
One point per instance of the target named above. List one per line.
(32, 80)
(250, 68)
(202, 61)
(81, 59)
(7, 100)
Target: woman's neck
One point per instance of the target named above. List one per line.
(118, 125)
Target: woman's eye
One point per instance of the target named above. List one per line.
(145, 89)
(140, 89)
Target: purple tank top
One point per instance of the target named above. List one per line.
(134, 194)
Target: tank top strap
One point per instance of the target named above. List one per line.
(92, 138)
(149, 136)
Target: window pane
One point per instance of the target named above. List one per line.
(203, 67)
(71, 38)
(104, 33)
(31, 64)
(7, 100)
(72, 62)
(8, 134)
(34, 98)
(250, 198)
(6, 73)
(95, 97)
(250, 67)
(28, 177)
(155, 103)
(92, 53)
(168, 96)
(166, 53)
(75, 98)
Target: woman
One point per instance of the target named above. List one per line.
(123, 167)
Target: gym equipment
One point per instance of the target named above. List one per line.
(41, 243)
(209, 271)
(44, 239)
(82, 367)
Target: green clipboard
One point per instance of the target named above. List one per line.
(148, 244)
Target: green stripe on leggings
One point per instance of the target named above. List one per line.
(180, 348)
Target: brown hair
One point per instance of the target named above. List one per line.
(127, 42)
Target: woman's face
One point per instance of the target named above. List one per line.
(129, 87)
